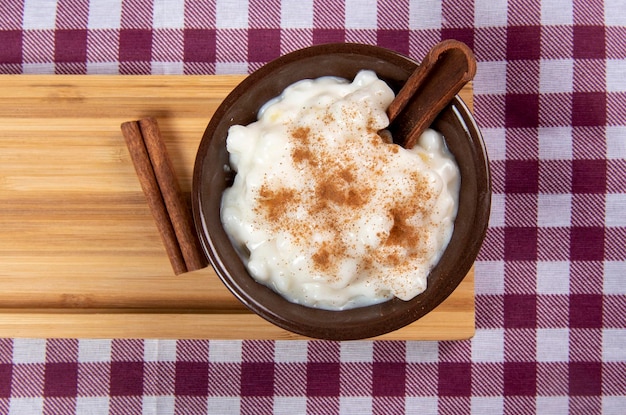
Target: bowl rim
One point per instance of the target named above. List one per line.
(349, 332)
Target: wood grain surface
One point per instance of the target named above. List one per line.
(80, 255)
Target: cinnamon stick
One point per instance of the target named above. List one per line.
(147, 179)
(159, 184)
(445, 69)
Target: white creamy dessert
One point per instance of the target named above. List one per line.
(327, 211)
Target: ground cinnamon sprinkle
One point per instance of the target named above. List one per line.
(302, 151)
(323, 257)
(301, 133)
(301, 154)
(401, 232)
(330, 191)
(275, 202)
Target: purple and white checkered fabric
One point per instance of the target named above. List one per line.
(550, 97)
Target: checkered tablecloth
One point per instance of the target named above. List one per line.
(550, 97)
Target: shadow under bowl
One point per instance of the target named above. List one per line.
(211, 176)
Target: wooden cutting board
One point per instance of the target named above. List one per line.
(80, 255)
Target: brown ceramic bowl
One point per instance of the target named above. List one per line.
(211, 178)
